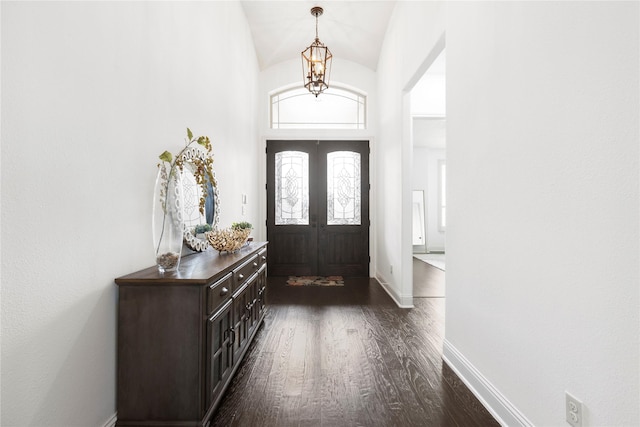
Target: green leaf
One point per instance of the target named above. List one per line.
(189, 134)
(202, 140)
(166, 157)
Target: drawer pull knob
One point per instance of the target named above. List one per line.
(241, 276)
(224, 291)
(264, 258)
(255, 264)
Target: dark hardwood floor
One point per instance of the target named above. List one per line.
(348, 356)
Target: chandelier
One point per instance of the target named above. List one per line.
(316, 62)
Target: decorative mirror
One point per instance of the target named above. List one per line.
(201, 198)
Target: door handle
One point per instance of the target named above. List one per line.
(232, 335)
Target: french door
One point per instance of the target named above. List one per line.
(318, 208)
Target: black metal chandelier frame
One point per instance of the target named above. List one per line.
(316, 62)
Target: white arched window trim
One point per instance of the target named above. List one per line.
(339, 107)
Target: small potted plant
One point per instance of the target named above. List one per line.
(244, 225)
(200, 230)
(243, 229)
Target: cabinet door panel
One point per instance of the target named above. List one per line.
(220, 339)
(242, 319)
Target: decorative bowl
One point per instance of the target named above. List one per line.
(227, 239)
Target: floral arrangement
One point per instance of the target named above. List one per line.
(202, 166)
(197, 154)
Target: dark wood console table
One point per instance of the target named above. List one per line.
(181, 336)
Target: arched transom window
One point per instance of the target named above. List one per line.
(335, 108)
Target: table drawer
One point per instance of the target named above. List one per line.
(242, 273)
(262, 258)
(219, 292)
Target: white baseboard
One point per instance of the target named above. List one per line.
(111, 422)
(402, 302)
(497, 404)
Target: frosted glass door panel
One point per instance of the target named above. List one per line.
(292, 188)
(343, 188)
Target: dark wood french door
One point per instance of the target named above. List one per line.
(318, 208)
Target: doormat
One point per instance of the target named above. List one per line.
(315, 281)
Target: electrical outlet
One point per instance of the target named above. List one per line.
(574, 410)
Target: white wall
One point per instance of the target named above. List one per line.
(428, 96)
(543, 231)
(92, 93)
(413, 41)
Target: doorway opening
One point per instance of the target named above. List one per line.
(428, 123)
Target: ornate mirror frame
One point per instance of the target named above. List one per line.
(193, 194)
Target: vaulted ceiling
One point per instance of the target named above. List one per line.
(353, 30)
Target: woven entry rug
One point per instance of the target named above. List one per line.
(315, 281)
